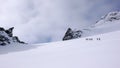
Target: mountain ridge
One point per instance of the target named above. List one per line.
(108, 23)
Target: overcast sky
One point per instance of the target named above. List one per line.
(40, 21)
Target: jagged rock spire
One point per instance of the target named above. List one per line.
(6, 36)
(70, 34)
(10, 31)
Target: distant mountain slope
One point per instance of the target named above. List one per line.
(108, 23)
(78, 53)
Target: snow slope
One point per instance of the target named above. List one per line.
(107, 23)
(78, 53)
(101, 28)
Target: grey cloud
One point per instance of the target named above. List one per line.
(38, 21)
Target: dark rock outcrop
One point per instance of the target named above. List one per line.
(112, 16)
(70, 34)
(9, 32)
(6, 37)
(16, 39)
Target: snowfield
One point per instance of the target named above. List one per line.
(78, 53)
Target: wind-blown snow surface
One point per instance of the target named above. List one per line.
(78, 53)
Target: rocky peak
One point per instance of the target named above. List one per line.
(72, 34)
(112, 16)
(10, 31)
(6, 36)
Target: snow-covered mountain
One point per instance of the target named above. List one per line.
(107, 23)
(6, 37)
(78, 53)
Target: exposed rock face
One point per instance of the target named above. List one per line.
(9, 32)
(112, 16)
(70, 34)
(6, 37)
